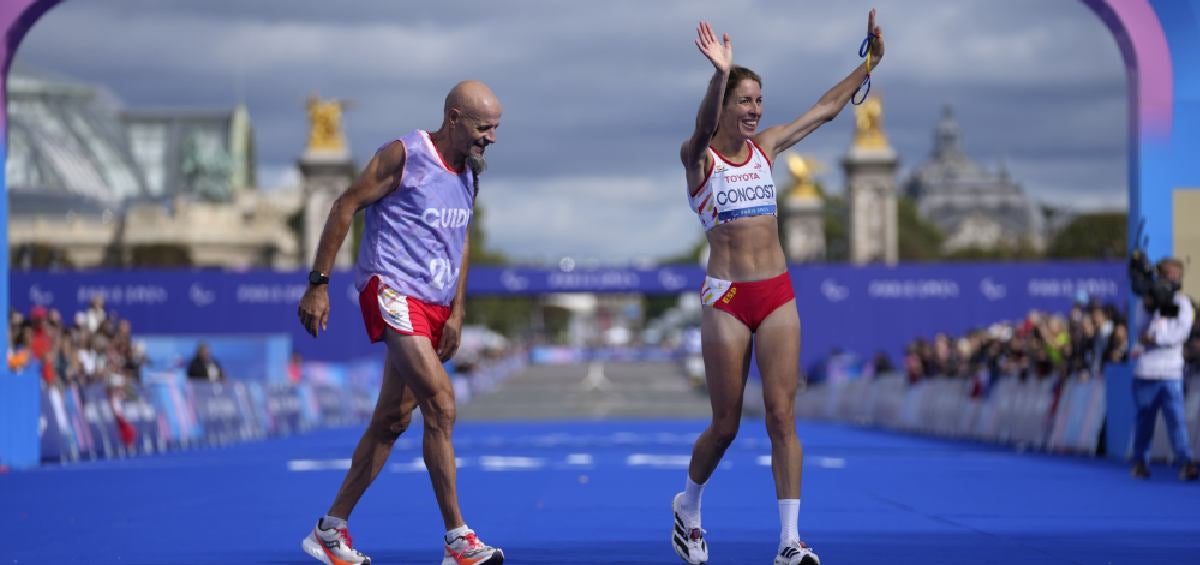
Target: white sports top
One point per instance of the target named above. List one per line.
(735, 190)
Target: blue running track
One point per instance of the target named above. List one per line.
(599, 492)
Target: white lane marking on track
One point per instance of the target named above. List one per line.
(510, 463)
(551, 440)
(318, 464)
(580, 459)
(664, 438)
(823, 462)
(417, 464)
(658, 461)
(831, 462)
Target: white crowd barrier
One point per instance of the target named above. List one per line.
(1031, 413)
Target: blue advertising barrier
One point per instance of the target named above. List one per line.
(1080, 415)
(101, 421)
(54, 437)
(177, 419)
(1118, 382)
(841, 306)
(242, 357)
(166, 411)
(93, 421)
(20, 411)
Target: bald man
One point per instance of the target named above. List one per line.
(418, 194)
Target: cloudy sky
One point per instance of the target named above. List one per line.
(598, 95)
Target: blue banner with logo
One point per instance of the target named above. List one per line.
(874, 308)
(859, 309)
(524, 280)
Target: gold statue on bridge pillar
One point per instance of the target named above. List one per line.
(868, 125)
(325, 124)
(803, 169)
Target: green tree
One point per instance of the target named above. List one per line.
(689, 257)
(917, 238)
(1022, 250)
(654, 305)
(837, 232)
(479, 254)
(159, 256)
(1091, 236)
(356, 231)
(38, 256)
(510, 316)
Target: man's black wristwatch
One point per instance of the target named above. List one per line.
(317, 278)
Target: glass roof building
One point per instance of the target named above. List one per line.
(93, 184)
(67, 149)
(73, 150)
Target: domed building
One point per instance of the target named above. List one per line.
(973, 207)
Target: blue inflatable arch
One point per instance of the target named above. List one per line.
(1164, 104)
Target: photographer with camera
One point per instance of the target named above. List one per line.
(1158, 373)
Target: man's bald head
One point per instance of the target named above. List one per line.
(473, 98)
(469, 121)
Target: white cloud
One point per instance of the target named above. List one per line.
(278, 177)
(595, 92)
(612, 218)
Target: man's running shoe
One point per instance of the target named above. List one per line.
(796, 552)
(688, 539)
(468, 550)
(332, 546)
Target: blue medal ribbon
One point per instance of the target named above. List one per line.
(864, 50)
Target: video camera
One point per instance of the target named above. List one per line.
(1158, 293)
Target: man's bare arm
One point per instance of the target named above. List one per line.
(378, 178)
(459, 306)
(452, 329)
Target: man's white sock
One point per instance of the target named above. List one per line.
(789, 515)
(689, 503)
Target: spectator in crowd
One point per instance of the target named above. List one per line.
(945, 359)
(1158, 375)
(94, 315)
(1040, 346)
(19, 336)
(203, 366)
(295, 368)
(1191, 355)
(81, 354)
(42, 340)
(880, 364)
(914, 368)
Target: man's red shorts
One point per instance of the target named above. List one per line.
(383, 307)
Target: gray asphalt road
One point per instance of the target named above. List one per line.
(591, 392)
